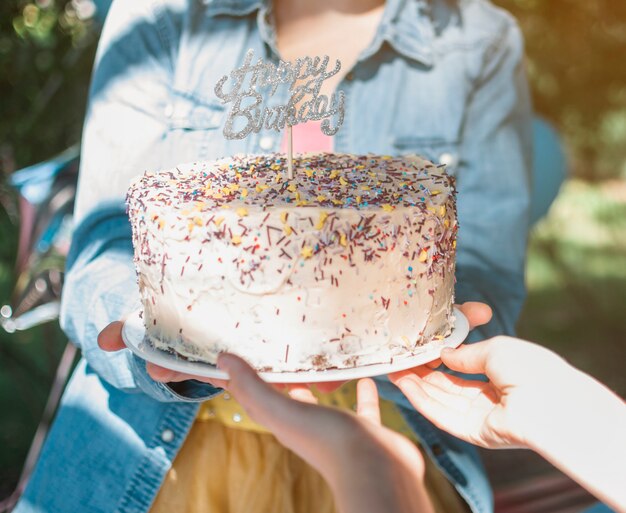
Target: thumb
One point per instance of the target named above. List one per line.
(260, 400)
(476, 313)
(110, 338)
(470, 359)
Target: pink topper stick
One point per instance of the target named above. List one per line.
(290, 153)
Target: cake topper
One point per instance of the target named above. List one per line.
(305, 77)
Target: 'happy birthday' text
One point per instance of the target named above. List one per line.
(305, 77)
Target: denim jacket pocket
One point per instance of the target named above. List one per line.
(193, 127)
(438, 151)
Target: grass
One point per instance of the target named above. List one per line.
(576, 302)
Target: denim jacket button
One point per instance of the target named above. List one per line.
(448, 159)
(266, 142)
(169, 110)
(350, 76)
(167, 435)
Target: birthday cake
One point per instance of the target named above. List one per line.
(350, 263)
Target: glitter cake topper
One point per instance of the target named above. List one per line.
(305, 76)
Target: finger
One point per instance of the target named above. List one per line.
(419, 394)
(424, 374)
(367, 403)
(445, 392)
(110, 338)
(477, 313)
(263, 403)
(395, 376)
(164, 375)
(217, 383)
(434, 364)
(243, 380)
(454, 386)
(329, 386)
(470, 358)
(302, 393)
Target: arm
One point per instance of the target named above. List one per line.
(493, 184)
(123, 129)
(533, 399)
(584, 436)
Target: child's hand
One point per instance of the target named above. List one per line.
(525, 381)
(319, 434)
(368, 467)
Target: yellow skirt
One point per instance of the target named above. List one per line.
(229, 464)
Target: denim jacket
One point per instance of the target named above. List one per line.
(441, 78)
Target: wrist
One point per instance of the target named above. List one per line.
(381, 484)
(565, 409)
(543, 400)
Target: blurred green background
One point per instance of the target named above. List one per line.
(577, 259)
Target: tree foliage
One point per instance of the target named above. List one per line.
(46, 54)
(576, 63)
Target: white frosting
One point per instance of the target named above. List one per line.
(351, 263)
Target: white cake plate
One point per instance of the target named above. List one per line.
(134, 332)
